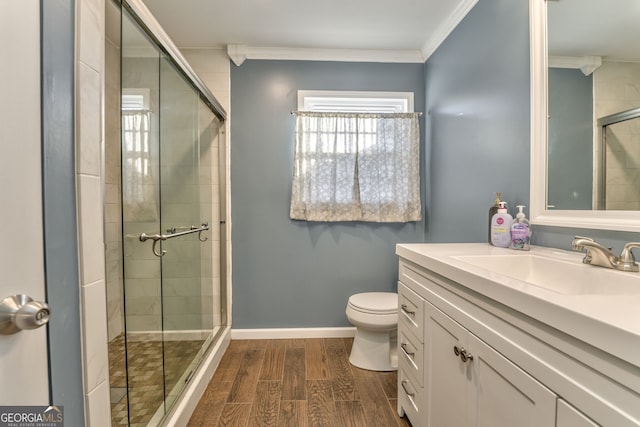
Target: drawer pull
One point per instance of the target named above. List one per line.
(405, 308)
(404, 387)
(407, 352)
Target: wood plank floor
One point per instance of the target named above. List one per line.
(297, 383)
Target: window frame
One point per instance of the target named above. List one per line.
(338, 101)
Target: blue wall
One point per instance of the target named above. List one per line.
(59, 205)
(294, 273)
(476, 85)
(570, 143)
(477, 96)
(478, 128)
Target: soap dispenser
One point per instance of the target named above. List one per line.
(520, 231)
(492, 211)
(501, 227)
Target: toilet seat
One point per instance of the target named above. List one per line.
(374, 302)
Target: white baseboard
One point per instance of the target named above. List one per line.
(281, 333)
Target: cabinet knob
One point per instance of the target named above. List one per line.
(465, 357)
(462, 353)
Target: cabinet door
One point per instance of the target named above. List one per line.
(503, 395)
(446, 376)
(568, 416)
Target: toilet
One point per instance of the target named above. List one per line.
(375, 316)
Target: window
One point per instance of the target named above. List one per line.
(355, 102)
(356, 158)
(139, 184)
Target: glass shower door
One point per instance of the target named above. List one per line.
(186, 310)
(142, 370)
(170, 232)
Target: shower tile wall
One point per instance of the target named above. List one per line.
(180, 189)
(209, 211)
(90, 66)
(212, 65)
(616, 89)
(141, 210)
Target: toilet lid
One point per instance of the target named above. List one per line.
(375, 302)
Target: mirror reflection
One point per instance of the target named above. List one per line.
(593, 105)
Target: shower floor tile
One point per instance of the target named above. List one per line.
(146, 373)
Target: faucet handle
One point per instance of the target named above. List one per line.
(627, 260)
(578, 247)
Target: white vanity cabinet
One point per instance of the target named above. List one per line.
(470, 384)
(468, 359)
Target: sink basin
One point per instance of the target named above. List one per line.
(564, 277)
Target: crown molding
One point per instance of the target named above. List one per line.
(240, 53)
(447, 26)
(586, 64)
(237, 53)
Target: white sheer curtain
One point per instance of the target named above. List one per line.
(138, 181)
(356, 167)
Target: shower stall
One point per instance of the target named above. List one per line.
(164, 218)
(617, 168)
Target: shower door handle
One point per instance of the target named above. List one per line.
(156, 238)
(20, 312)
(161, 237)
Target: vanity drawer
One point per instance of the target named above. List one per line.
(410, 398)
(411, 356)
(410, 312)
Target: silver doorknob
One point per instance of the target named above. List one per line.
(19, 312)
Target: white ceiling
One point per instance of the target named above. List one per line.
(606, 28)
(415, 25)
(610, 29)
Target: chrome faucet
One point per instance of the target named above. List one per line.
(627, 261)
(599, 255)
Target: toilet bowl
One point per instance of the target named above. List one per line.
(375, 316)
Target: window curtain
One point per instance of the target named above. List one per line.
(356, 167)
(138, 180)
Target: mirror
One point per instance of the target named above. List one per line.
(590, 50)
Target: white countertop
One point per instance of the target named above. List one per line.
(610, 322)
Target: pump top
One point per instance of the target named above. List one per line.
(520, 213)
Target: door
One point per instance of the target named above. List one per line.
(471, 384)
(167, 181)
(184, 334)
(23, 355)
(446, 375)
(568, 416)
(503, 395)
